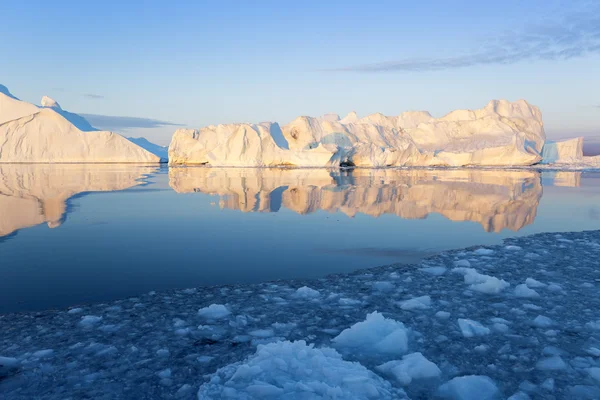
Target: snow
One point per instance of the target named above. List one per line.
(295, 370)
(214, 311)
(49, 134)
(413, 366)
(470, 328)
(375, 336)
(470, 387)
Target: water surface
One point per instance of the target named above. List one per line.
(118, 231)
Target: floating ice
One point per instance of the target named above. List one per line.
(417, 303)
(435, 271)
(376, 336)
(470, 328)
(523, 291)
(542, 321)
(532, 283)
(551, 364)
(483, 252)
(412, 366)
(306, 293)
(295, 370)
(480, 282)
(470, 387)
(214, 311)
(89, 320)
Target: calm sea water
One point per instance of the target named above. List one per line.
(83, 233)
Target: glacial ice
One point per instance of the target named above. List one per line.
(295, 370)
(413, 366)
(471, 387)
(500, 134)
(48, 134)
(375, 336)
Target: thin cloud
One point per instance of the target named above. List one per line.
(576, 35)
(93, 96)
(114, 123)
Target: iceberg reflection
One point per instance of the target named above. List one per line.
(35, 194)
(496, 199)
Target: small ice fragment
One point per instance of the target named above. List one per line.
(442, 314)
(416, 303)
(435, 271)
(348, 302)
(553, 363)
(374, 336)
(470, 387)
(594, 373)
(261, 333)
(462, 263)
(513, 248)
(383, 286)
(542, 321)
(43, 353)
(523, 291)
(532, 283)
(75, 310)
(89, 320)
(483, 252)
(306, 293)
(548, 384)
(470, 328)
(519, 396)
(214, 311)
(162, 353)
(412, 367)
(165, 373)
(205, 359)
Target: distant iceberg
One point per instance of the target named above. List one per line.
(48, 134)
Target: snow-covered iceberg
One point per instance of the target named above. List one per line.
(48, 134)
(500, 134)
(495, 199)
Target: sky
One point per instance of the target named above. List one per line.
(146, 68)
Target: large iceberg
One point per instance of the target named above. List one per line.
(48, 134)
(500, 134)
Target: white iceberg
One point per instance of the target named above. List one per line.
(48, 134)
(502, 133)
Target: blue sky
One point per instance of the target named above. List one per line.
(204, 62)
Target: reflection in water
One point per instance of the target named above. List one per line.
(34, 194)
(495, 199)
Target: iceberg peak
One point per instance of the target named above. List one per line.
(49, 102)
(351, 118)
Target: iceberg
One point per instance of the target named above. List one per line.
(48, 134)
(502, 133)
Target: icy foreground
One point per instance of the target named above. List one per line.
(500, 134)
(520, 320)
(48, 134)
